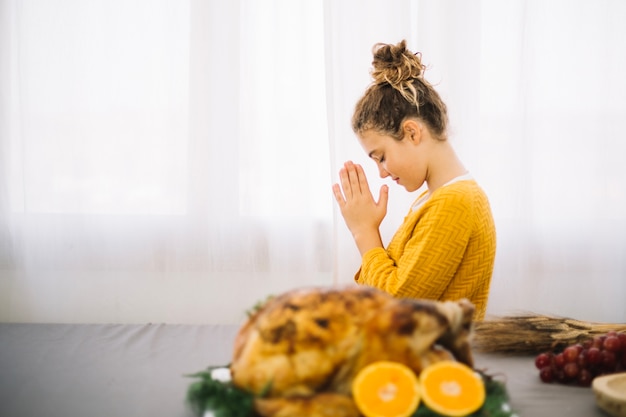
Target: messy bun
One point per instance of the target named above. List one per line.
(397, 66)
(399, 91)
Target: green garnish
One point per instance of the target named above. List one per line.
(222, 398)
(258, 306)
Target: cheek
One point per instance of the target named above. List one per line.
(397, 167)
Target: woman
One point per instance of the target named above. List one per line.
(445, 249)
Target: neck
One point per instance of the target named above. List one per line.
(444, 165)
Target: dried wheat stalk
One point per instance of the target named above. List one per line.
(533, 334)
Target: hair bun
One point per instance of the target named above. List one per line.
(395, 64)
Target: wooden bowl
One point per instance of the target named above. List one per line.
(610, 392)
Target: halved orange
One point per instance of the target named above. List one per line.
(386, 389)
(452, 388)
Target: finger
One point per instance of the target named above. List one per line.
(363, 185)
(338, 195)
(353, 177)
(345, 183)
(383, 196)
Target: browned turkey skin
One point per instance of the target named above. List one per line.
(302, 349)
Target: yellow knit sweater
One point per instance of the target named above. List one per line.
(445, 250)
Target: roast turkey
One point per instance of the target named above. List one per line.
(300, 352)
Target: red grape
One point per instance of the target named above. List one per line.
(608, 360)
(593, 356)
(571, 370)
(598, 341)
(559, 360)
(570, 354)
(546, 374)
(542, 360)
(612, 343)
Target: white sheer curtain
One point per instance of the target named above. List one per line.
(162, 160)
(537, 103)
(171, 161)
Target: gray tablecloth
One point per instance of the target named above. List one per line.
(71, 370)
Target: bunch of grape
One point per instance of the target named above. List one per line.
(580, 363)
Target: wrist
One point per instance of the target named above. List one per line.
(367, 239)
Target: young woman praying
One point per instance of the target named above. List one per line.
(445, 248)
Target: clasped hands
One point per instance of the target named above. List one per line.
(362, 214)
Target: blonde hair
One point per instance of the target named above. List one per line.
(399, 91)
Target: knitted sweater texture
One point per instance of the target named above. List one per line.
(445, 250)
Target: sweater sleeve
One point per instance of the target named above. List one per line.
(433, 247)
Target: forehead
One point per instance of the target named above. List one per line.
(372, 140)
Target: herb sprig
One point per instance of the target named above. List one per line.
(222, 398)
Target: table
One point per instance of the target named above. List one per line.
(98, 370)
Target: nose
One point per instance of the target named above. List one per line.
(382, 171)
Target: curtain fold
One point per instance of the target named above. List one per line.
(172, 161)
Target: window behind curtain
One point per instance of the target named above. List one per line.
(100, 108)
(165, 160)
(284, 153)
(101, 118)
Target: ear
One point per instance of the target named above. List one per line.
(412, 130)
